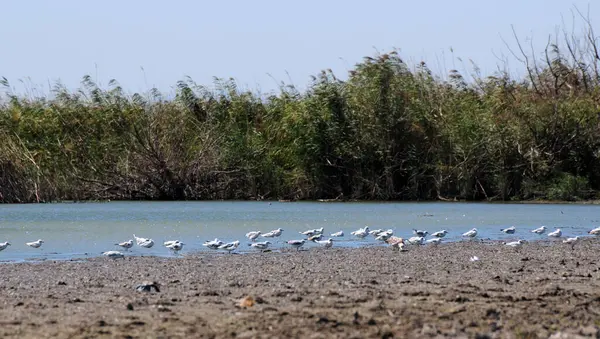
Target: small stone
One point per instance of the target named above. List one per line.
(322, 320)
(492, 314)
(429, 330)
(356, 317)
(590, 331)
(162, 308)
(461, 299)
(148, 286)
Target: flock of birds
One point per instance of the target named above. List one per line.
(557, 233)
(317, 236)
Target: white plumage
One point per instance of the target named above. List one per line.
(471, 233)
(4, 245)
(539, 230)
(35, 244)
(555, 234)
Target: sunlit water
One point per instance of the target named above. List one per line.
(79, 230)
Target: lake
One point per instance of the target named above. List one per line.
(79, 230)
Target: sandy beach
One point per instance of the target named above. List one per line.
(544, 289)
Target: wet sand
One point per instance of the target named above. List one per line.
(535, 292)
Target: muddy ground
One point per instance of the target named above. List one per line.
(536, 292)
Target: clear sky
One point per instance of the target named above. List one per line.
(248, 40)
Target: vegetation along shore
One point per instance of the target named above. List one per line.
(390, 131)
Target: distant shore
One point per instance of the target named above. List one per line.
(532, 202)
(373, 292)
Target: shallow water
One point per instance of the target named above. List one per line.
(79, 230)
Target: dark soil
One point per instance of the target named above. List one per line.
(426, 292)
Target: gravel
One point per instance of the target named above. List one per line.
(540, 290)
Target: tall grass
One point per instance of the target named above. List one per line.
(391, 131)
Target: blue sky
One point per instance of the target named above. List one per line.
(256, 41)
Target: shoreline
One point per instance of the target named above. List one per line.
(287, 250)
(500, 202)
(368, 292)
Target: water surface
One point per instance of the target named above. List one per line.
(79, 230)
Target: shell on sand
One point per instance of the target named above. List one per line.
(247, 301)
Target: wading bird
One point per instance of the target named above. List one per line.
(35, 244)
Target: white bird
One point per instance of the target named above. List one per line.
(114, 254)
(296, 243)
(338, 234)
(253, 235)
(510, 230)
(273, 233)
(474, 258)
(540, 230)
(260, 245)
(555, 234)
(35, 244)
(325, 243)
(571, 241)
(434, 241)
(213, 244)
(517, 243)
(4, 245)
(471, 234)
(140, 240)
(420, 233)
(269, 235)
(416, 240)
(147, 244)
(230, 246)
(384, 235)
(361, 232)
(315, 237)
(439, 234)
(310, 233)
(175, 246)
(126, 244)
(170, 242)
(375, 232)
(595, 231)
